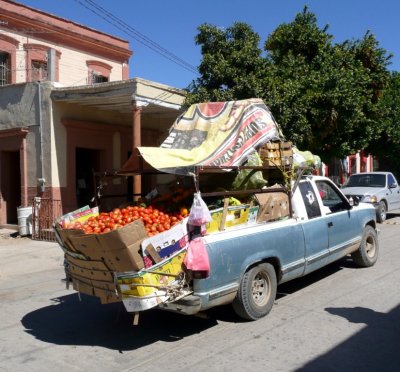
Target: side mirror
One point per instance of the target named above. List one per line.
(393, 186)
(353, 201)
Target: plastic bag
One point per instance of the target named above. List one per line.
(196, 258)
(199, 212)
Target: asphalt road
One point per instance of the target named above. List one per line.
(338, 319)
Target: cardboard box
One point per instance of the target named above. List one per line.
(65, 234)
(273, 206)
(106, 295)
(236, 215)
(253, 213)
(82, 287)
(214, 224)
(120, 249)
(166, 243)
(147, 282)
(95, 270)
(88, 245)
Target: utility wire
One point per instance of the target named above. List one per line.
(132, 32)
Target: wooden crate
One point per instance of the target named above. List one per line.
(276, 154)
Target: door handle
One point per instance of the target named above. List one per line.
(330, 224)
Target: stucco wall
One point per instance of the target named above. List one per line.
(72, 64)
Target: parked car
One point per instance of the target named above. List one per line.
(378, 188)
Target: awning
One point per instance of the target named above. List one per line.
(218, 134)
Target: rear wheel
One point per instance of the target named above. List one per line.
(381, 213)
(256, 293)
(367, 254)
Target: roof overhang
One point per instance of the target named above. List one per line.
(120, 96)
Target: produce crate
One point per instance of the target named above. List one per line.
(235, 215)
(277, 153)
(152, 281)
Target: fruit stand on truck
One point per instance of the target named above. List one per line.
(264, 221)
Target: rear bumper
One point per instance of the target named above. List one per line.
(188, 305)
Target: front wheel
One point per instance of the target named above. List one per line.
(381, 213)
(367, 253)
(256, 293)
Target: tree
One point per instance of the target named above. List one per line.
(231, 65)
(387, 146)
(325, 96)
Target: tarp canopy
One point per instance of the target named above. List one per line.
(210, 134)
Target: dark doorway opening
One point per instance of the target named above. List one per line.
(10, 184)
(87, 161)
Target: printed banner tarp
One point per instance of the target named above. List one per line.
(213, 134)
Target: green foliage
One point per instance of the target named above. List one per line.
(387, 146)
(326, 97)
(231, 66)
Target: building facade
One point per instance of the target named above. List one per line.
(68, 110)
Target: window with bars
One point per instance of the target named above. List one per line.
(39, 70)
(96, 78)
(5, 68)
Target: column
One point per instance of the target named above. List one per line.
(137, 107)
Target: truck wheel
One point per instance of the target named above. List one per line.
(381, 213)
(367, 254)
(256, 293)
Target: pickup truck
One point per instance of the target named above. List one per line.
(381, 189)
(248, 263)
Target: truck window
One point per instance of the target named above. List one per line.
(310, 200)
(330, 196)
(391, 180)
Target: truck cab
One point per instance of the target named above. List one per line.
(248, 263)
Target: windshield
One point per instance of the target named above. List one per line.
(366, 180)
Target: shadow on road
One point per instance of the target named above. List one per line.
(374, 348)
(87, 322)
(71, 322)
(300, 283)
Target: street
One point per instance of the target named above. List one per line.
(340, 318)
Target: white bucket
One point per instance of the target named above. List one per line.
(24, 215)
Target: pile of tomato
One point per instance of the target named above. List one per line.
(155, 221)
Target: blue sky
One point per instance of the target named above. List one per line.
(173, 25)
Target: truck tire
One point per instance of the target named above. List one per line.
(367, 253)
(381, 213)
(256, 293)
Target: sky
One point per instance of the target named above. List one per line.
(162, 33)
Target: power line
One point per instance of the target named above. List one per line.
(132, 32)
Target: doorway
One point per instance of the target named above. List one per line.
(10, 187)
(87, 161)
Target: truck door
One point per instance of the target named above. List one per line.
(340, 219)
(315, 230)
(392, 193)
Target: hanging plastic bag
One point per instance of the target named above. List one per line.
(196, 258)
(199, 212)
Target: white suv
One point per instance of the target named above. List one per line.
(379, 188)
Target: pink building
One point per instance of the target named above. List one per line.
(68, 109)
